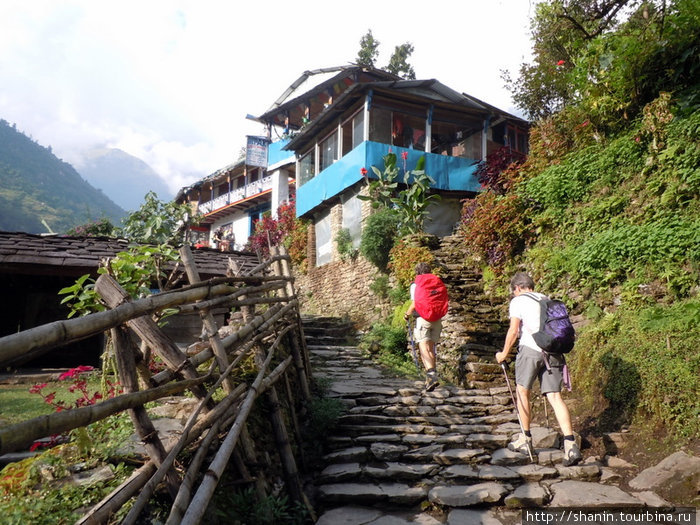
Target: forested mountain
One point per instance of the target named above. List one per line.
(38, 189)
(125, 178)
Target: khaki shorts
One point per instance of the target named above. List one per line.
(427, 331)
(529, 365)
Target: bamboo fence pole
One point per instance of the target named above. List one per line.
(150, 487)
(287, 274)
(206, 488)
(296, 349)
(295, 420)
(242, 336)
(212, 330)
(103, 510)
(123, 352)
(232, 299)
(182, 499)
(112, 502)
(147, 329)
(35, 341)
(21, 435)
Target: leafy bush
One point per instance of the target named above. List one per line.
(99, 228)
(494, 227)
(403, 258)
(378, 237)
(619, 250)
(380, 286)
(286, 229)
(343, 241)
(157, 222)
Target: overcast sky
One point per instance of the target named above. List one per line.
(171, 81)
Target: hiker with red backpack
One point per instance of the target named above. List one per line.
(545, 334)
(430, 302)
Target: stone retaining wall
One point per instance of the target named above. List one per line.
(473, 329)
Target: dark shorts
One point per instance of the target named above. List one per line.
(529, 365)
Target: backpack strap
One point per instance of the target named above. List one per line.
(543, 307)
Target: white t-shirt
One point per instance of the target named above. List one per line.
(412, 290)
(528, 311)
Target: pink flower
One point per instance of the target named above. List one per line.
(561, 63)
(390, 150)
(404, 155)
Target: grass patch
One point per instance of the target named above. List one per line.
(19, 404)
(641, 366)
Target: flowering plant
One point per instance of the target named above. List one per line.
(80, 385)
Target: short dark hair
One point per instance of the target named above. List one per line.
(422, 267)
(523, 280)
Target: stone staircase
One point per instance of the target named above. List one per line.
(400, 455)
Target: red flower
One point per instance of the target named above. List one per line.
(404, 155)
(561, 63)
(363, 170)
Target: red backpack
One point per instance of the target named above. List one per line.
(430, 297)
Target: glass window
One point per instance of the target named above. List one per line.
(329, 151)
(456, 139)
(323, 240)
(352, 218)
(307, 167)
(358, 129)
(380, 125)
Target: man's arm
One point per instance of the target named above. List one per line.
(410, 310)
(511, 337)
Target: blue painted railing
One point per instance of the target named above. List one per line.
(275, 153)
(449, 173)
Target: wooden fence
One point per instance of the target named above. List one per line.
(271, 334)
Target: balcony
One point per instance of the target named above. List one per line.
(239, 194)
(449, 173)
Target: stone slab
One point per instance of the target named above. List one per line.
(468, 495)
(587, 494)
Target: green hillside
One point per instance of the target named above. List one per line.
(36, 186)
(605, 212)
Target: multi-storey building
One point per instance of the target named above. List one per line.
(331, 123)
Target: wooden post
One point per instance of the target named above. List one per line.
(296, 348)
(124, 354)
(208, 319)
(113, 295)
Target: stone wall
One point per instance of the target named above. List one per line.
(473, 329)
(475, 325)
(341, 288)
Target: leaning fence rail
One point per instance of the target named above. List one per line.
(274, 335)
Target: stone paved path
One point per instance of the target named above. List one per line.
(404, 456)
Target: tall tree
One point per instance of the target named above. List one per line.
(398, 63)
(368, 50)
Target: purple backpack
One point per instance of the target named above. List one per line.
(556, 334)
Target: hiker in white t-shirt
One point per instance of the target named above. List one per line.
(524, 313)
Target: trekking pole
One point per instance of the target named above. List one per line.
(413, 344)
(517, 410)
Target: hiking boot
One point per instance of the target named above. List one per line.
(431, 381)
(523, 445)
(572, 454)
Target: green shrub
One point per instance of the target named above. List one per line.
(378, 237)
(343, 241)
(380, 286)
(641, 366)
